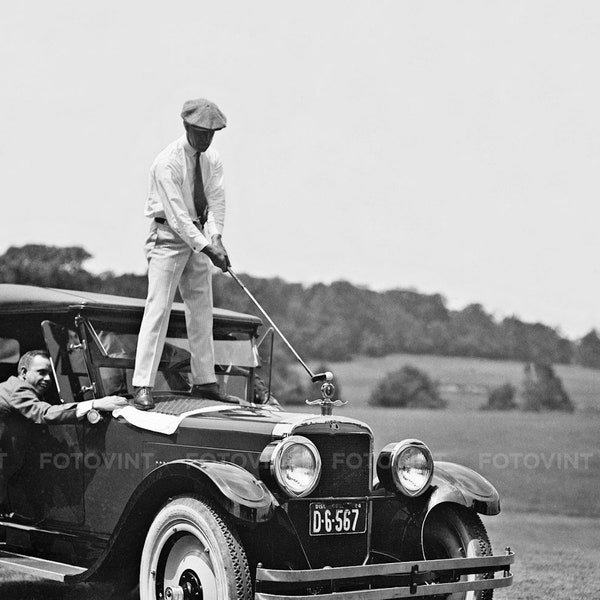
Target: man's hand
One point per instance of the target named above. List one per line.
(110, 403)
(217, 253)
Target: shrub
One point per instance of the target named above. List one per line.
(543, 390)
(501, 397)
(287, 385)
(588, 350)
(408, 387)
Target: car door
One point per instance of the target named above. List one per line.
(62, 460)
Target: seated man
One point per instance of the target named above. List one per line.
(21, 401)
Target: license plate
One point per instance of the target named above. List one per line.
(336, 518)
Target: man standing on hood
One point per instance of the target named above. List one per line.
(186, 203)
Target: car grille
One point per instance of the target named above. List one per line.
(346, 472)
(346, 464)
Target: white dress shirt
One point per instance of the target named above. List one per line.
(171, 191)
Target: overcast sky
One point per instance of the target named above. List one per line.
(452, 147)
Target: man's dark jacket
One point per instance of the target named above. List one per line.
(20, 411)
(17, 396)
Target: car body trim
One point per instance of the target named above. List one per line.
(40, 567)
(287, 427)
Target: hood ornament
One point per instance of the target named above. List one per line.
(327, 392)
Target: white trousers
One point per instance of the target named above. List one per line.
(172, 263)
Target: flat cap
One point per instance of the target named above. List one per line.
(203, 113)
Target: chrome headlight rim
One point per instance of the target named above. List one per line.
(276, 470)
(389, 461)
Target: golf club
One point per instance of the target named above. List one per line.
(315, 377)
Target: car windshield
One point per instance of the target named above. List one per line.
(235, 356)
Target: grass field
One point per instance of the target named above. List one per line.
(545, 466)
(558, 558)
(464, 382)
(541, 462)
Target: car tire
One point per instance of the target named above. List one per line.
(457, 532)
(192, 548)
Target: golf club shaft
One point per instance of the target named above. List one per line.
(272, 323)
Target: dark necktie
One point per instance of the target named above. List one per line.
(200, 202)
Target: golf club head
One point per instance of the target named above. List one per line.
(327, 376)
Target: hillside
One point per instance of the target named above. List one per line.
(336, 321)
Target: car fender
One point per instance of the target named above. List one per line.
(461, 485)
(231, 487)
(235, 489)
(451, 484)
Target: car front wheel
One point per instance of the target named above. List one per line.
(456, 532)
(192, 552)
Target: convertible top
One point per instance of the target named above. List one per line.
(27, 298)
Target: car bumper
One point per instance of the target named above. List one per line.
(387, 580)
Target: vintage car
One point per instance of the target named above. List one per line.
(203, 499)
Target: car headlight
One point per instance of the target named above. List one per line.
(405, 466)
(293, 463)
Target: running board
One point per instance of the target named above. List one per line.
(47, 569)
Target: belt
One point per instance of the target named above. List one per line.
(162, 221)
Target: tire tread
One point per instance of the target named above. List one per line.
(242, 569)
(471, 521)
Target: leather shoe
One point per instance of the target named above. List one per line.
(210, 391)
(143, 399)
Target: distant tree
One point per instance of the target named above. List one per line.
(49, 266)
(373, 344)
(534, 342)
(516, 341)
(407, 387)
(501, 397)
(425, 307)
(543, 390)
(325, 322)
(475, 333)
(588, 350)
(289, 387)
(129, 284)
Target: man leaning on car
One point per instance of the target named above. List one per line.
(21, 401)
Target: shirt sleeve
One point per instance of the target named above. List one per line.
(83, 408)
(25, 401)
(214, 189)
(169, 190)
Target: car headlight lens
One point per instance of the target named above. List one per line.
(412, 469)
(406, 466)
(294, 463)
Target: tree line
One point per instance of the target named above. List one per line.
(332, 322)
